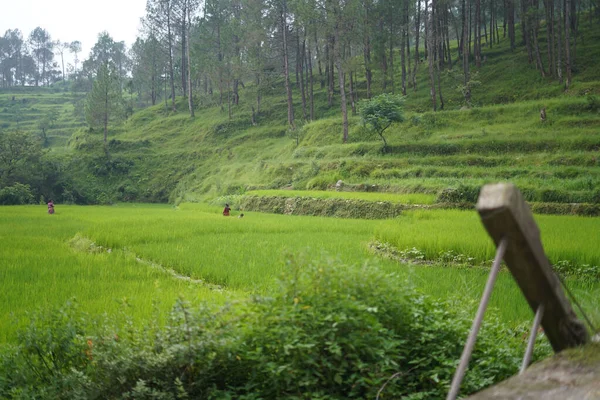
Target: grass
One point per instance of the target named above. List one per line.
(405, 198)
(39, 268)
(568, 238)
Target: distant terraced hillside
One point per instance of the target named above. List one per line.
(41, 111)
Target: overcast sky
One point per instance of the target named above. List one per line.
(68, 20)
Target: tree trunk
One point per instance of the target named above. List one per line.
(511, 23)
(352, 88)
(574, 29)
(171, 73)
(184, 76)
(549, 4)
(106, 95)
(407, 34)
(559, 45)
(403, 60)
(301, 55)
(470, 27)
(310, 85)
(338, 64)
(328, 74)
(367, 59)
(229, 114)
(417, 31)
(426, 26)
(447, 30)
(258, 92)
(485, 32)
(465, 58)
(319, 61)
(189, 67)
(331, 62)
(477, 47)
(534, 33)
(567, 5)
(431, 52)
(220, 66)
(492, 22)
(526, 30)
(153, 88)
(497, 29)
(62, 60)
(505, 18)
(286, 68)
(538, 56)
(391, 49)
(352, 94)
(437, 33)
(298, 61)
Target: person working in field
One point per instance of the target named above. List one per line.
(50, 207)
(226, 210)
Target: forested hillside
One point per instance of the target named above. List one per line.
(238, 95)
(388, 115)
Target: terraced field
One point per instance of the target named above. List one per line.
(49, 114)
(146, 256)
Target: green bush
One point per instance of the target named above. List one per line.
(16, 194)
(331, 332)
(583, 209)
(460, 194)
(324, 207)
(322, 182)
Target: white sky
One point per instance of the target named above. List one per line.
(68, 20)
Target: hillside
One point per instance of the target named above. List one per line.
(161, 156)
(47, 113)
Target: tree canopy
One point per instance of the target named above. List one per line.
(104, 104)
(380, 112)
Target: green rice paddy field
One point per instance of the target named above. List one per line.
(143, 256)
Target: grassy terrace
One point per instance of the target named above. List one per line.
(406, 198)
(31, 109)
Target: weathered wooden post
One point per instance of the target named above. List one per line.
(505, 214)
(510, 223)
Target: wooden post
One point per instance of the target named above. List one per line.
(504, 213)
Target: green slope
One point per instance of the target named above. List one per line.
(160, 156)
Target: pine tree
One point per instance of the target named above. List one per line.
(104, 104)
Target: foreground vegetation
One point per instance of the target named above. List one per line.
(258, 313)
(280, 306)
(330, 332)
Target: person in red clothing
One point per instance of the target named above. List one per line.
(226, 210)
(50, 207)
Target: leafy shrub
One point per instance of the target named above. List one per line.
(588, 210)
(331, 207)
(16, 194)
(462, 193)
(331, 332)
(321, 182)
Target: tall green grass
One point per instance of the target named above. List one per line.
(39, 267)
(570, 238)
